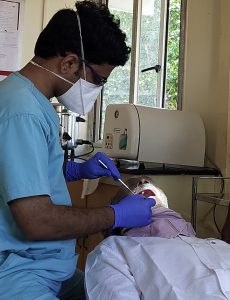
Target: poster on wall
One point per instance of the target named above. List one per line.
(9, 37)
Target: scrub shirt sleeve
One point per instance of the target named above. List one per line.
(24, 157)
(107, 276)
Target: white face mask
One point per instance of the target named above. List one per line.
(81, 97)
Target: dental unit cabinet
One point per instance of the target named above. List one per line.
(147, 134)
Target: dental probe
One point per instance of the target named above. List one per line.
(122, 182)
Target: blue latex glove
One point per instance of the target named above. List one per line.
(92, 169)
(133, 211)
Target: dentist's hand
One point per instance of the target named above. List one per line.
(133, 211)
(92, 168)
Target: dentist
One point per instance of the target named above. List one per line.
(74, 56)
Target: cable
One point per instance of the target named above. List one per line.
(82, 159)
(222, 187)
(91, 144)
(213, 210)
(81, 142)
(214, 218)
(214, 165)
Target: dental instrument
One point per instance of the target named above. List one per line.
(122, 182)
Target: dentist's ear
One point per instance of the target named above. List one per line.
(70, 64)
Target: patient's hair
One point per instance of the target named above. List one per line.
(103, 40)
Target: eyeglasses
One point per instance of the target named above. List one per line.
(98, 79)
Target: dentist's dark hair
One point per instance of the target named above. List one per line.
(103, 40)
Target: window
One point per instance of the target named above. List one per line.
(150, 77)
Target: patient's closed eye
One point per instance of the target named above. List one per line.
(142, 181)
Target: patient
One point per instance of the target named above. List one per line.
(163, 261)
(166, 222)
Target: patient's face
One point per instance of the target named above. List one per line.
(145, 186)
(166, 223)
(139, 185)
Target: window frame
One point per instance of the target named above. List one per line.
(94, 120)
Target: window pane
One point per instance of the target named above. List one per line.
(149, 51)
(172, 66)
(116, 89)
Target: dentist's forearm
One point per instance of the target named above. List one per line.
(39, 219)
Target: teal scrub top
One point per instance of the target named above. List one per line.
(31, 161)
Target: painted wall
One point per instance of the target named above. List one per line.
(206, 78)
(36, 16)
(51, 7)
(206, 85)
(33, 19)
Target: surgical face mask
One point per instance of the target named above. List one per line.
(81, 97)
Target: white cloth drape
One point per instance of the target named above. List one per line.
(182, 268)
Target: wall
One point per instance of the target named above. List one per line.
(225, 63)
(206, 83)
(51, 7)
(206, 78)
(36, 16)
(32, 27)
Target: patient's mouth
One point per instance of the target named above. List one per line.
(145, 188)
(149, 190)
(147, 193)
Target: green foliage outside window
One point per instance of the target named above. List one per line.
(172, 67)
(117, 88)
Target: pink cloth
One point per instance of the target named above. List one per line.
(166, 223)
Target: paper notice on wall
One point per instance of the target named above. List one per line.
(9, 60)
(9, 36)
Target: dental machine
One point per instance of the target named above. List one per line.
(147, 134)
